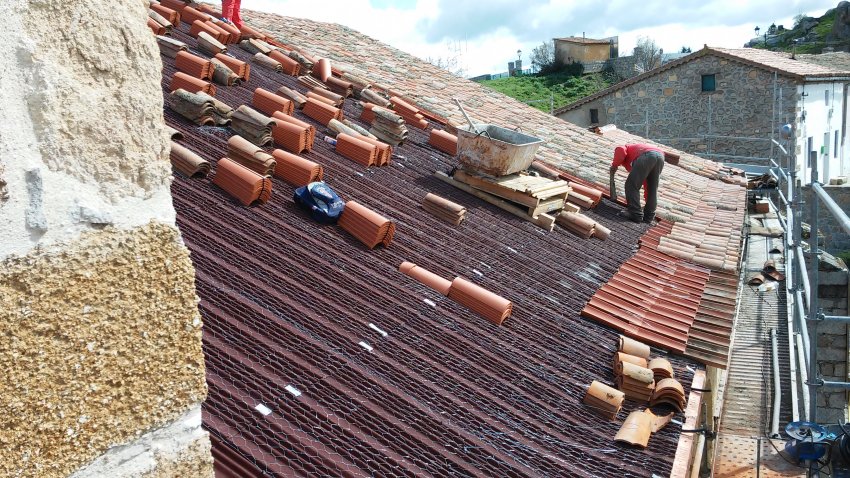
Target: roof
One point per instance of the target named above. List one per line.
(288, 304)
(585, 41)
(839, 60)
(779, 62)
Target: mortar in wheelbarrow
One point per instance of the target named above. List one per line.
(494, 150)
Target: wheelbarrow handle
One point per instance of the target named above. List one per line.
(471, 125)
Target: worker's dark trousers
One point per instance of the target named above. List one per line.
(646, 167)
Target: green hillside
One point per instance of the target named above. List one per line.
(565, 88)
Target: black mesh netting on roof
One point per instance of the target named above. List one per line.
(323, 360)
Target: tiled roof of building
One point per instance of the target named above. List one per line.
(839, 60)
(323, 359)
(779, 62)
(585, 41)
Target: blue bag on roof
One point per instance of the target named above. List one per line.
(323, 204)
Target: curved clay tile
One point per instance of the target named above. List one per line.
(242, 183)
(356, 150)
(322, 69)
(635, 430)
(605, 400)
(620, 357)
(492, 307)
(296, 170)
(268, 102)
(425, 277)
(366, 225)
(633, 347)
(661, 368)
(445, 142)
(287, 64)
(187, 162)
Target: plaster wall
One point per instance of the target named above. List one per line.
(821, 104)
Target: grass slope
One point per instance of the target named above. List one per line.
(566, 89)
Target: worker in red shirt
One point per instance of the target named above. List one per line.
(230, 12)
(644, 163)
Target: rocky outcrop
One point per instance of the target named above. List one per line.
(841, 25)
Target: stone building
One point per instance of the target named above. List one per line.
(727, 105)
(585, 50)
(102, 366)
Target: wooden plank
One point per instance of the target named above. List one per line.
(496, 189)
(544, 221)
(549, 205)
(684, 458)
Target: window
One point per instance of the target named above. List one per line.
(826, 97)
(708, 83)
(594, 116)
(835, 145)
(826, 144)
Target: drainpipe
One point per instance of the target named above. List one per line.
(777, 390)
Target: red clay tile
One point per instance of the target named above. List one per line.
(481, 301)
(425, 277)
(367, 226)
(191, 84)
(296, 170)
(242, 183)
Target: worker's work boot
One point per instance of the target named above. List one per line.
(628, 215)
(649, 219)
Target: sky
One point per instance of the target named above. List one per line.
(485, 35)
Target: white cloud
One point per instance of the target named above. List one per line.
(486, 35)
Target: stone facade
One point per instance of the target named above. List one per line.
(101, 332)
(670, 107)
(833, 340)
(834, 239)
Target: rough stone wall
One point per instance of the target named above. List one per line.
(834, 239)
(101, 336)
(742, 105)
(833, 340)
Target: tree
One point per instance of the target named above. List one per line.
(685, 49)
(647, 54)
(543, 56)
(452, 62)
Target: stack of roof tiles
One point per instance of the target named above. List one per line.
(445, 142)
(341, 87)
(366, 225)
(448, 211)
(287, 64)
(173, 16)
(383, 151)
(372, 97)
(242, 183)
(158, 24)
(335, 99)
(187, 162)
(480, 300)
(604, 400)
(355, 149)
(268, 102)
(410, 113)
(209, 45)
(241, 68)
(584, 196)
(206, 27)
(636, 382)
(169, 46)
(249, 155)
(267, 62)
(252, 125)
(670, 392)
(582, 226)
(290, 136)
(321, 112)
(297, 98)
(200, 108)
(386, 125)
(194, 65)
(426, 277)
(297, 139)
(296, 170)
(661, 368)
(191, 84)
(223, 75)
(622, 357)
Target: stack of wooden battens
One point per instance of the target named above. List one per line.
(296, 170)
(366, 226)
(242, 183)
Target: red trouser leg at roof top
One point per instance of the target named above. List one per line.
(227, 9)
(237, 17)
